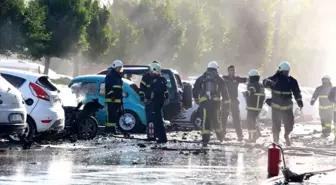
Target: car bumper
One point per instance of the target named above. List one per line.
(12, 128)
(55, 116)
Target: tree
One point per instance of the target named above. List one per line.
(12, 26)
(98, 34)
(66, 22)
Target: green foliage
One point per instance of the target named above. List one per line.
(66, 21)
(12, 26)
(98, 31)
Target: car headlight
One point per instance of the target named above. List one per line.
(15, 117)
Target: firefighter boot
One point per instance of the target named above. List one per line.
(276, 138)
(288, 141)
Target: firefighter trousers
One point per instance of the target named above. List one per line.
(210, 114)
(232, 107)
(159, 128)
(252, 124)
(279, 116)
(112, 115)
(150, 119)
(326, 116)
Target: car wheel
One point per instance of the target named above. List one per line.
(129, 122)
(87, 128)
(196, 121)
(28, 134)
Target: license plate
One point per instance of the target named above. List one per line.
(16, 117)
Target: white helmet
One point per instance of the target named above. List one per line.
(284, 66)
(155, 68)
(116, 64)
(326, 77)
(213, 65)
(253, 72)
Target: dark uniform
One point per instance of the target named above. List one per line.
(232, 104)
(255, 97)
(282, 105)
(113, 99)
(208, 90)
(144, 94)
(325, 107)
(158, 91)
(332, 98)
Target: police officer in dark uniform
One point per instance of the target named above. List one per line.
(325, 106)
(144, 93)
(207, 92)
(332, 98)
(158, 91)
(113, 95)
(232, 104)
(255, 97)
(283, 87)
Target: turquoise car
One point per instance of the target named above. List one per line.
(93, 86)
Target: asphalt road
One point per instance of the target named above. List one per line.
(108, 160)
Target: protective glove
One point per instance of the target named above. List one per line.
(245, 94)
(300, 103)
(268, 101)
(312, 102)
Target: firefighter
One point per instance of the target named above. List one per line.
(207, 92)
(255, 97)
(332, 98)
(283, 86)
(144, 97)
(325, 106)
(158, 91)
(232, 104)
(113, 95)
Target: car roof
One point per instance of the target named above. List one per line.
(23, 74)
(100, 78)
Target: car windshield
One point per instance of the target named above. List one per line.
(82, 89)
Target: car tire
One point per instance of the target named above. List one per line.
(133, 126)
(187, 95)
(30, 132)
(87, 128)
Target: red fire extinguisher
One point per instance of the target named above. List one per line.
(151, 130)
(274, 159)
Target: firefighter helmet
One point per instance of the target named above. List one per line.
(326, 77)
(116, 64)
(213, 65)
(155, 68)
(253, 72)
(284, 66)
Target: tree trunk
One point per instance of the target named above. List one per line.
(46, 65)
(76, 66)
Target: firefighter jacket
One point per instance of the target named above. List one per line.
(158, 91)
(254, 96)
(145, 85)
(321, 93)
(113, 87)
(232, 84)
(282, 91)
(218, 87)
(332, 97)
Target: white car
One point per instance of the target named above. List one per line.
(44, 107)
(13, 112)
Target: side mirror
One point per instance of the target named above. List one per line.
(29, 101)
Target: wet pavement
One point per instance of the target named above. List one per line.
(108, 160)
